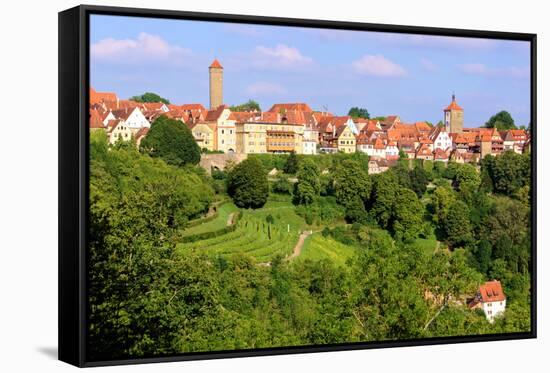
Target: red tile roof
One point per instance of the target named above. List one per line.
(122, 113)
(491, 291)
(199, 107)
(440, 154)
(99, 97)
(95, 119)
(242, 116)
(216, 64)
(424, 150)
(453, 105)
(300, 106)
(214, 115)
(141, 133)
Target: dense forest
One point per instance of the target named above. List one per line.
(148, 299)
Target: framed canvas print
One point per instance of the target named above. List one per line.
(235, 186)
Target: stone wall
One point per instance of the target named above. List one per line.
(220, 161)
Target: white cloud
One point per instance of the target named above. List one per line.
(428, 65)
(265, 88)
(280, 56)
(484, 70)
(378, 65)
(146, 48)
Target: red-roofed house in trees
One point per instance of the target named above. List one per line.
(491, 299)
(453, 117)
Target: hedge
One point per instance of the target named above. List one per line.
(212, 234)
(199, 221)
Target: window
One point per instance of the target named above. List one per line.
(223, 132)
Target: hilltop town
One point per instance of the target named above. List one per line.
(303, 226)
(296, 127)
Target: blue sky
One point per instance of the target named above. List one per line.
(412, 76)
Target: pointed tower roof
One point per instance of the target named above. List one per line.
(453, 105)
(216, 64)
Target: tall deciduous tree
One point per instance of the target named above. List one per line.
(358, 112)
(250, 105)
(247, 184)
(308, 186)
(408, 212)
(172, 141)
(501, 120)
(149, 97)
(351, 181)
(458, 228)
(291, 165)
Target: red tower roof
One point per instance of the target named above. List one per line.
(216, 64)
(453, 105)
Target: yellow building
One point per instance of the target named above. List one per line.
(204, 135)
(346, 142)
(257, 138)
(118, 130)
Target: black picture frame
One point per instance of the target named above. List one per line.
(73, 103)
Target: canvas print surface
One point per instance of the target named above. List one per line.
(256, 186)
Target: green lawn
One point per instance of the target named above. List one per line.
(216, 224)
(427, 245)
(318, 247)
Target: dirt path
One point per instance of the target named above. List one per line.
(298, 247)
(230, 219)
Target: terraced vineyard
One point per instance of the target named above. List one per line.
(254, 235)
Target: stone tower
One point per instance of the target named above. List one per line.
(216, 84)
(454, 117)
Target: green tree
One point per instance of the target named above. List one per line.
(385, 188)
(291, 165)
(509, 172)
(308, 186)
(247, 184)
(149, 97)
(282, 186)
(250, 105)
(457, 225)
(351, 180)
(172, 141)
(357, 112)
(501, 120)
(408, 213)
(419, 179)
(443, 198)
